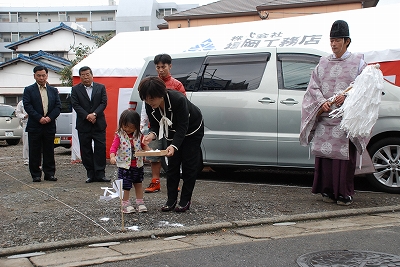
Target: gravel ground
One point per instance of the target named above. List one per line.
(44, 212)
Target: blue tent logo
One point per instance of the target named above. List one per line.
(206, 45)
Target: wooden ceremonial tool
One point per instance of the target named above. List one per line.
(151, 153)
(121, 193)
(330, 102)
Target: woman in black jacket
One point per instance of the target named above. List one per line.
(174, 117)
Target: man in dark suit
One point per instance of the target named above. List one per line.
(42, 103)
(89, 99)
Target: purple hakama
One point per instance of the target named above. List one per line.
(335, 176)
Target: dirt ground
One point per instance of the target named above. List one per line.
(69, 208)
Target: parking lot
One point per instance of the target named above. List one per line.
(68, 209)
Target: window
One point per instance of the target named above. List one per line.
(14, 17)
(66, 104)
(4, 18)
(62, 16)
(58, 54)
(144, 28)
(227, 72)
(107, 18)
(185, 70)
(14, 37)
(7, 111)
(294, 70)
(11, 100)
(232, 72)
(167, 12)
(161, 13)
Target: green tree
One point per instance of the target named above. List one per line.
(100, 40)
(81, 51)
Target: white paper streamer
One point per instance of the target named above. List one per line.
(360, 110)
(109, 194)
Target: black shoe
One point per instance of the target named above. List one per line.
(180, 208)
(168, 207)
(103, 179)
(50, 178)
(36, 179)
(344, 201)
(89, 180)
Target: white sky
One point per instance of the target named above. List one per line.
(30, 3)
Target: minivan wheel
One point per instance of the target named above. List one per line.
(385, 155)
(12, 142)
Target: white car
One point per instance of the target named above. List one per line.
(10, 126)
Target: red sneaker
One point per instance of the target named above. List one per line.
(153, 187)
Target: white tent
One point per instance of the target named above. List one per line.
(118, 63)
(372, 30)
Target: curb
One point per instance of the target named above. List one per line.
(80, 242)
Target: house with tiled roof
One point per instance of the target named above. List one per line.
(17, 73)
(50, 59)
(234, 11)
(57, 41)
(36, 60)
(52, 48)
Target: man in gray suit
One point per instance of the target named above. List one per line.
(89, 99)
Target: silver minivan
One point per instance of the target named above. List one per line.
(251, 103)
(63, 135)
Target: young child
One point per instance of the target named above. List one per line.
(128, 140)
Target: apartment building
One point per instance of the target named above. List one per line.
(19, 23)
